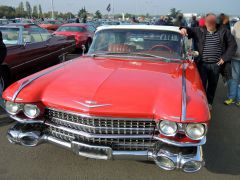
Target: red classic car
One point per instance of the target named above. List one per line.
(50, 25)
(31, 48)
(136, 94)
(83, 33)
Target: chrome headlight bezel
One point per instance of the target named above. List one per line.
(9, 103)
(31, 107)
(174, 126)
(204, 126)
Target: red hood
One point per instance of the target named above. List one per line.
(132, 88)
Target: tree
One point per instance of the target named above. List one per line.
(28, 9)
(35, 12)
(127, 15)
(98, 14)
(40, 11)
(83, 14)
(174, 12)
(7, 11)
(20, 11)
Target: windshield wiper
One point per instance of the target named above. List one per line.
(135, 54)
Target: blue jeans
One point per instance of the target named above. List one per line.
(234, 91)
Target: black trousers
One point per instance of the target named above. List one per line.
(209, 74)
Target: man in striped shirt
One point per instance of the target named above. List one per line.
(216, 46)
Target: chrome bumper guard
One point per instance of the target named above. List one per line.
(166, 156)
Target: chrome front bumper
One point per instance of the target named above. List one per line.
(177, 157)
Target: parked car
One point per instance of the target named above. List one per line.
(3, 22)
(51, 25)
(31, 48)
(83, 33)
(136, 94)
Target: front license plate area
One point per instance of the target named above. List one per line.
(90, 151)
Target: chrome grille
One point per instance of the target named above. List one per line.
(126, 134)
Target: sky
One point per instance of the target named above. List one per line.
(231, 7)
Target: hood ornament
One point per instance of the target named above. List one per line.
(91, 104)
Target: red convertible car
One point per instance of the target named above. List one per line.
(30, 49)
(83, 33)
(136, 95)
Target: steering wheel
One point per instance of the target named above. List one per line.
(162, 46)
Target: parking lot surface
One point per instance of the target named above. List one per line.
(222, 156)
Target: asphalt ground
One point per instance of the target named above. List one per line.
(222, 156)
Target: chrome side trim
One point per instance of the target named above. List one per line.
(181, 144)
(49, 54)
(29, 81)
(184, 93)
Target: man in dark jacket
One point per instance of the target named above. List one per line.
(216, 46)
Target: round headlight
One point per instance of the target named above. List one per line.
(12, 108)
(31, 111)
(195, 131)
(168, 128)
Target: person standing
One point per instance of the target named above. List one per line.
(3, 53)
(234, 92)
(216, 46)
(180, 21)
(77, 20)
(161, 21)
(201, 21)
(194, 22)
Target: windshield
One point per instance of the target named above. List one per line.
(167, 44)
(10, 35)
(71, 29)
(49, 22)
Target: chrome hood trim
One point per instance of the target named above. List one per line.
(29, 81)
(184, 93)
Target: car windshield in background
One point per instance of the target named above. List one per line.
(122, 42)
(71, 29)
(10, 35)
(49, 22)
